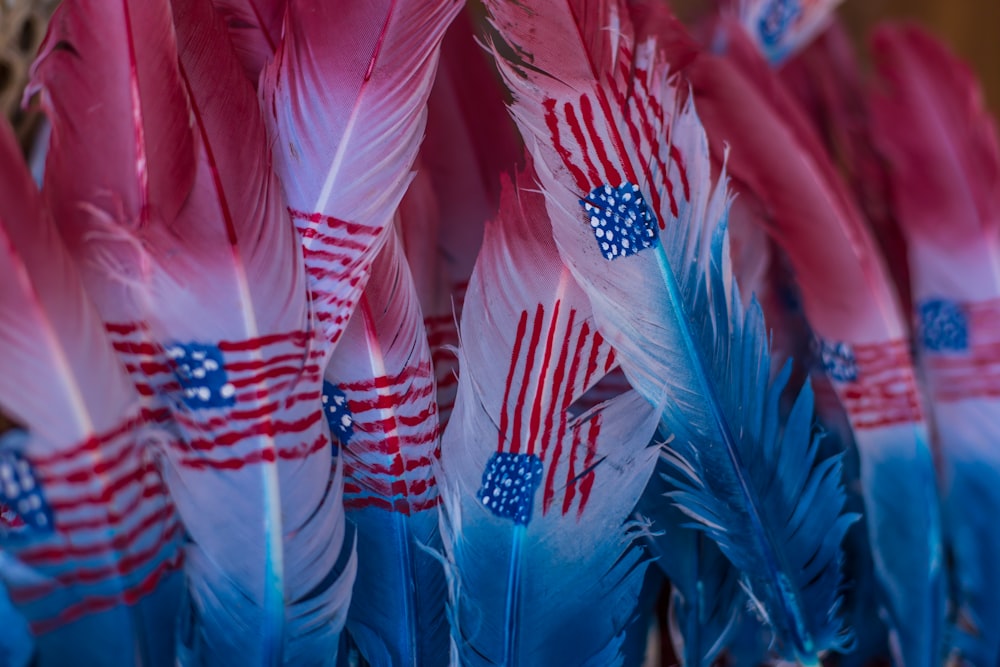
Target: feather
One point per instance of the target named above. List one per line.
(862, 346)
(827, 81)
(255, 30)
(706, 600)
(382, 407)
(543, 564)
(470, 141)
(346, 98)
(83, 78)
(932, 124)
(221, 288)
(91, 519)
(747, 480)
(780, 28)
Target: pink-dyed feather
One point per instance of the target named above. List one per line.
(108, 548)
(346, 97)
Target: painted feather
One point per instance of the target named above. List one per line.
(850, 304)
(84, 78)
(470, 141)
(220, 287)
(780, 28)
(382, 407)
(543, 563)
(933, 126)
(346, 97)
(647, 235)
(255, 29)
(828, 82)
(83, 504)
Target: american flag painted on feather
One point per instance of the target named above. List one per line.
(960, 342)
(71, 514)
(388, 435)
(875, 382)
(256, 381)
(539, 443)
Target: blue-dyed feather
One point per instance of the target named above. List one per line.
(543, 564)
(381, 383)
(706, 600)
(668, 304)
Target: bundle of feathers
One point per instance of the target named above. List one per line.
(528, 333)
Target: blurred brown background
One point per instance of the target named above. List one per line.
(971, 27)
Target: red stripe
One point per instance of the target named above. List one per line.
(612, 175)
(265, 428)
(390, 401)
(422, 370)
(535, 421)
(587, 483)
(256, 457)
(351, 228)
(552, 122)
(651, 135)
(577, 130)
(299, 338)
(522, 327)
(526, 377)
(124, 328)
(559, 385)
(571, 473)
(549, 493)
(40, 555)
(152, 488)
(123, 567)
(94, 605)
(339, 241)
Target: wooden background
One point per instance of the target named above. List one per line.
(971, 27)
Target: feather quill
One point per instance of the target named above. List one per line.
(220, 287)
(596, 106)
(543, 564)
(851, 306)
(382, 407)
(932, 125)
(346, 99)
(91, 516)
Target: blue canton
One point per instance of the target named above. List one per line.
(838, 361)
(944, 326)
(621, 220)
(21, 499)
(338, 414)
(509, 484)
(201, 371)
(776, 19)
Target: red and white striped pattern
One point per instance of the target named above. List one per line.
(885, 392)
(594, 134)
(278, 382)
(337, 258)
(555, 360)
(388, 461)
(975, 372)
(116, 534)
